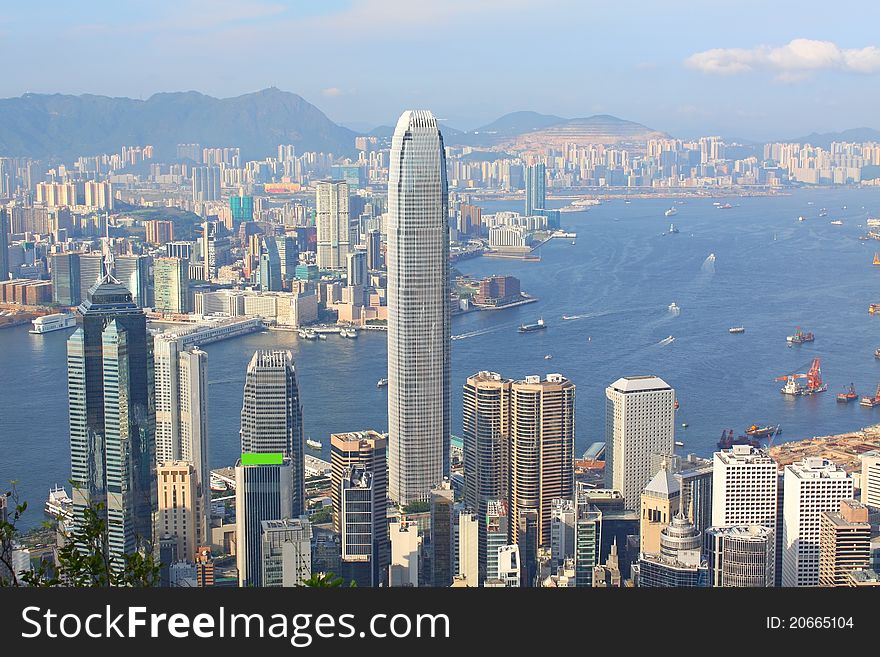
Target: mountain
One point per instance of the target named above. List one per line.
(598, 129)
(824, 139)
(517, 123)
(64, 126)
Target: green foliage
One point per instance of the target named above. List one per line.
(417, 507)
(326, 581)
(320, 517)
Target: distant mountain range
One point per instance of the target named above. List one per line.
(824, 139)
(56, 125)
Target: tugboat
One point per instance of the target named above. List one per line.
(848, 395)
(537, 326)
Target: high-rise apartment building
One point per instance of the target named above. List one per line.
(374, 250)
(210, 234)
(271, 416)
(811, 486)
(639, 422)
(741, 556)
(844, 543)
(542, 434)
(112, 415)
(418, 309)
(170, 285)
(262, 492)
(206, 184)
(159, 232)
(331, 220)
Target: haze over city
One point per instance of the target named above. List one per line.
(752, 71)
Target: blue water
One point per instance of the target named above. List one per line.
(621, 275)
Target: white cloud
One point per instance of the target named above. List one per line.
(793, 61)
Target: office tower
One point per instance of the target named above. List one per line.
(179, 514)
(262, 492)
(442, 499)
(639, 422)
(210, 233)
(286, 551)
(288, 256)
(206, 184)
(541, 447)
(679, 563)
(587, 540)
(741, 556)
(870, 481)
(374, 250)
(527, 541)
(331, 220)
(181, 397)
(159, 232)
(536, 197)
(509, 567)
(183, 250)
(485, 445)
(744, 488)
(367, 449)
(363, 525)
(133, 271)
(469, 547)
(170, 285)
(497, 532)
(269, 274)
(112, 415)
(608, 576)
(694, 477)
(660, 502)
(357, 268)
(242, 209)
(91, 270)
(418, 309)
(811, 486)
(562, 524)
(4, 245)
(844, 543)
(405, 546)
(65, 278)
(271, 416)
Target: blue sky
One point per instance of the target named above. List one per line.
(747, 69)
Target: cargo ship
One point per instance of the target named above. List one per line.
(537, 326)
(800, 337)
(728, 440)
(762, 432)
(848, 395)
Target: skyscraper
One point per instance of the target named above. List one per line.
(269, 273)
(639, 422)
(363, 524)
(210, 230)
(741, 556)
(744, 488)
(91, 270)
(679, 563)
(374, 250)
(418, 309)
(587, 540)
(497, 532)
(170, 285)
(542, 432)
(262, 492)
(242, 208)
(180, 515)
(288, 256)
(206, 184)
(331, 220)
(870, 483)
(271, 416)
(536, 197)
(661, 500)
(287, 551)
(844, 543)
(442, 500)
(811, 486)
(65, 277)
(356, 264)
(133, 271)
(469, 547)
(112, 415)
(562, 524)
(4, 245)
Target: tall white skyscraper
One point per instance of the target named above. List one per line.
(810, 487)
(744, 488)
(639, 422)
(331, 206)
(870, 483)
(418, 309)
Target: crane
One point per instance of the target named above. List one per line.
(813, 377)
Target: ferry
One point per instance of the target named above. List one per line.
(59, 504)
(308, 334)
(678, 443)
(674, 308)
(537, 326)
(737, 329)
(314, 444)
(381, 383)
(671, 212)
(56, 322)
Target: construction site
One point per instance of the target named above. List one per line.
(843, 449)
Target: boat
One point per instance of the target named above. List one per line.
(871, 402)
(848, 395)
(737, 329)
(801, 218)
(537, 326)
(573, 242)
(837, 222)
(800, 337)
(874, 308)
(823, 213)
(678, 443)
(548, 357)
(873, 221)
(877, 353)
(672, 229)
(313, 444)
(321, 336)
(674, 308)
(307, 334)
(813, 385)
(728, 440)
(716, 203)
(59, 504)
(567, 317)
(684, 425)
(876, 260)
(671, 212)
(667, 340)
(55, 322)
(381, 383)
(726, 206)
(762, 432)
(348, 333)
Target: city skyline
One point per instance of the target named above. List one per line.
(742, 83)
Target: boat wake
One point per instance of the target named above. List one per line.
(473, 334)
(709, 264)
(666, 341)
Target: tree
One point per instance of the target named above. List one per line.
(8, 534)
(325, 581)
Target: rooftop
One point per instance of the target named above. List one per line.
(640, 384)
